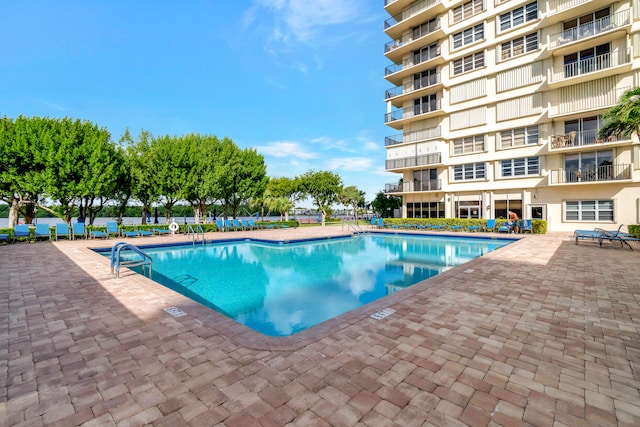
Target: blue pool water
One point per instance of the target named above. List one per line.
(280, 289)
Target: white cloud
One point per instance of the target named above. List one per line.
(351, 164)
(286, 149)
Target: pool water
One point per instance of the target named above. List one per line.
(279, 289)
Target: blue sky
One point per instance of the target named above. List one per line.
(301, 81)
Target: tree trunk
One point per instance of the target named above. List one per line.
(14, 211)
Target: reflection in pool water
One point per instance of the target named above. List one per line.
(281, 289)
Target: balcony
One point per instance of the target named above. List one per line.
(417, 111)
(590, 29)
(585, 97)
(409, 162)
(393, 71)
(581, 139)
(598, 174)
(408, 187)
(414, 86)
(396, 49)
(590, 65)
(391, 25)
(415, 136)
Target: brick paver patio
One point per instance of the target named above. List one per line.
(541, 333)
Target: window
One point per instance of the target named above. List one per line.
(587, 61)
(586, 129)
(468, 63)
(468, 36)
(519, 137)
(426, 180)
(519, 16)
(521, 167)
(426, 28)
(589, 166)
(520, 46)
(426, 53)
(425, 79)
(470, 144)
(588, 210)
(425, 210)
(425, 104)
(467, 10)
(468, 172)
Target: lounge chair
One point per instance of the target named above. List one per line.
(112, 228)
(617, 236)
(220, 225)
(526, 226)
(473, 228)
(587, 234)
(130, 233)
(237, 224)
(21, 231)
(228, 224)
(161, 231)
(491, 225)
(98, 234)
(456, 228)
(62, 230)
(145, 233)
(5, 238)
(504, 228)
(79, 230)
(43, 232)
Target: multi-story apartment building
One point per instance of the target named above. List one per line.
(497, 105)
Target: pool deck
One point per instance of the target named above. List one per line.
(543, 332)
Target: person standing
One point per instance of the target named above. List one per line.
(513, 222)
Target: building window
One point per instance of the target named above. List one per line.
(425, 104)
(586, 129)
(425, 79)
(586, 22)
(519, 137)
(588, 210)
(523, 166)
(426, 28)
(589, 166)
(520, 46)
(470, 144)
(425, 210)
(467, 10)
(469, 171)
(468, 63)
(425, 53)
(519, 16)
(468, 36)
(587, 61)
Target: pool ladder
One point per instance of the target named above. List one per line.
(193, 234)
(144, 260)
(352, 225)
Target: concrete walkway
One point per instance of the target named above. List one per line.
(541, 333)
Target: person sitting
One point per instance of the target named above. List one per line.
(513, 222)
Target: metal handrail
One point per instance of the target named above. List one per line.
(194, 233)
(116, 262)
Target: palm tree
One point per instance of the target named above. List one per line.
(624, 118)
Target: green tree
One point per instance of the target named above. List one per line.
(384, 205)
(323, 187)
(170, 164)
(287, 188)
(353, 198)
(199, 178)
(624, 118)
(144, 180)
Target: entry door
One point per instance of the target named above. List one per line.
(469, 211)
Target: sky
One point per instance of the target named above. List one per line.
(301, 81)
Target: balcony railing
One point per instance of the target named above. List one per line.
(425, 30)
(413, 86)
(408, 162)
(590, 65)
(407, 187)
(597, 174)
(412, 61)
(410, 12)
(414, 136)
(580, 139)
(590, 29)
(557, 6)
(416, 110)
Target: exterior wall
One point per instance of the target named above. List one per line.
(557, 89)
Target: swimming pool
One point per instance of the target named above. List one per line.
(280, 288)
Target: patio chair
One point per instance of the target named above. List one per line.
(62, 230)
(145, 233)
(473, 228)
(617, 236)
(526, 226)
(161, 231)
(504, 228)
(112, 228)
(79, 231)
(220, 225)
(6, 238)
(20, 231)
(491, 225)
(456, 228)
(98, 234)
(130, 233)
(43, 232)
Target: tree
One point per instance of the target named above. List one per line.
(144, 181)
(287, 188)
(200, 177)
(170, 165)
(384, 205)
(323, 187)
(353, 198)
(624, 118)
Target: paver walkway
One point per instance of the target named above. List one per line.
(541, 333)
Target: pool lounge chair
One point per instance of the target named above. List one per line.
(42, 232)
(504, 228)
(618, 236)
(473, 228)
(491, 225)
(98, 234)
(20, 231)
(112, 228)
(161, 231)
(220, 225)
(131, 233)
(62, 230)
(526, 226)
(79, 231)
(5, 238)
(145, 233)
